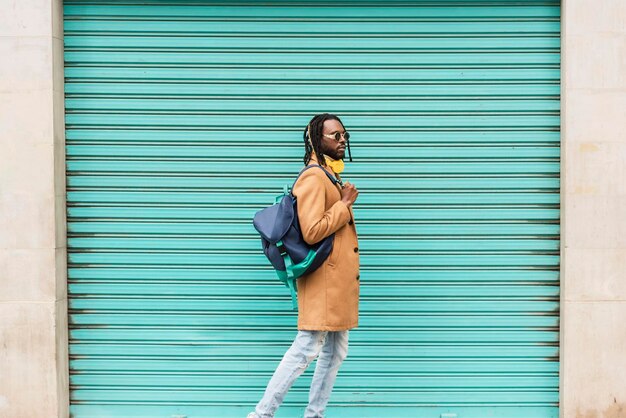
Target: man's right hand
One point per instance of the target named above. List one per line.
(349, 193)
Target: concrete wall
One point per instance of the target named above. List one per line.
(33, 297)
(593, 280)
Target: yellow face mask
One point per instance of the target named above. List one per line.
(336, 165)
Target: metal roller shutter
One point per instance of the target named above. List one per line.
(185, 118)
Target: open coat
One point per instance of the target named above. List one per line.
(328, 298)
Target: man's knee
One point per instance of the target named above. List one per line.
(341, 348)
(309, 348)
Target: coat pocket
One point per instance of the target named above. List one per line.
(332, 258)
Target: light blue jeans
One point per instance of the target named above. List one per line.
(332, 347)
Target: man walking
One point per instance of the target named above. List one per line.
(328, 298)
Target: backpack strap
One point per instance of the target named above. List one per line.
(330, 176)
(291, 280)
(287, 189)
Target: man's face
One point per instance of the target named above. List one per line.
(335, 150)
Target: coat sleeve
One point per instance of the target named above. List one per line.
(315, 222)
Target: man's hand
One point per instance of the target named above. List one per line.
(349, 193)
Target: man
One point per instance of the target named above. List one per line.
(328, 298)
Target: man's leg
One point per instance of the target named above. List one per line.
(333, 353)
(304, 349)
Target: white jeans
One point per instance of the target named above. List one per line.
(332, 347)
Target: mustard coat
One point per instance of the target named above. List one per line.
(328, 298)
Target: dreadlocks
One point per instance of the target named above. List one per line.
(316, 129)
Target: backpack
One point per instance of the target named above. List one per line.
(282, 241)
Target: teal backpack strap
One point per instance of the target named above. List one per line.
(291, 281)
(294, 296)
(280, 196)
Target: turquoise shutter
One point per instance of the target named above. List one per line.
(184, 119)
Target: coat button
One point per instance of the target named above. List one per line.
(356, 249)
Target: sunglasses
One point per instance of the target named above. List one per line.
(337, 136)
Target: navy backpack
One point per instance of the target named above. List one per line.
(282, 240)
